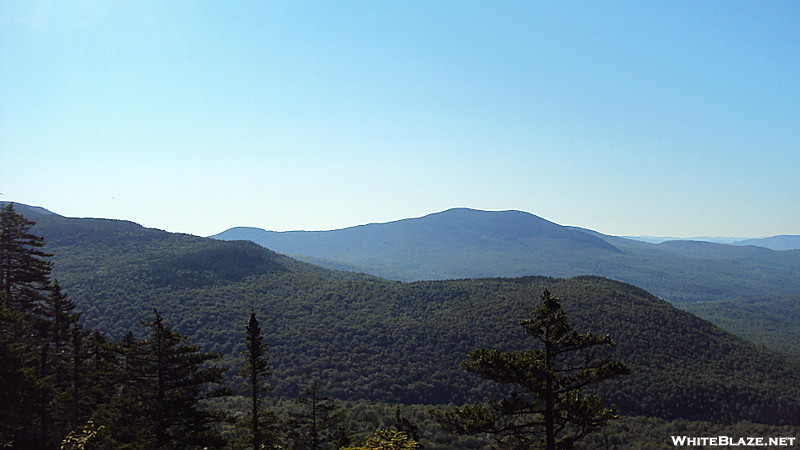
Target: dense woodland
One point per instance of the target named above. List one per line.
(83, 352)
(773, 322)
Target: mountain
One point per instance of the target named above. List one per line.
(466, 243)
(363, 337)
(438, 246)
(660, 239)
(782, 242)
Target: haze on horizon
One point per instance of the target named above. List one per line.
(628, 118)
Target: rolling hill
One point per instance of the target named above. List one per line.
(465, 243)
(367, 338)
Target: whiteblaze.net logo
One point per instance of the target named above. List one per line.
(687, 441)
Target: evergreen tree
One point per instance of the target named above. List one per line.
(103, 370)
(166, 381)
(56, 320)
(262, 424)
(18, 383)
(53, 323)
(56, 312)
(547, 407)
(78, 369)
(25, 284)
(24, 269)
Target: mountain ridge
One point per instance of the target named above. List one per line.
(777, 242)
(467, 243)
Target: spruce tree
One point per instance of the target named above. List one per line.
(54, 321)
(103, 370)
(166, 381)
(78, 374)
(24, 268)
(57, 312)
(546, 407)
(19, 385)
(262, 424)
(25, 286)
(41, 353)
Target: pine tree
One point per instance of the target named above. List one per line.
(547, 409)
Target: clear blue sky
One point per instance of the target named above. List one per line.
(676, 118)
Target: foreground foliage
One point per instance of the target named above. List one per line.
(387, 440)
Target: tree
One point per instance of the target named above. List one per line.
(58, 318)
(546, 406)
(311, 426)
(24, 269)
(25, 286)
(387, 440)
(55, 324)
(19, 386)
(78, 369)
(404, 425)
(166, 382)
(262, 424)
(79, 438)
(97, 372)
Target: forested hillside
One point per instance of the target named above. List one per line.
(365, 338)
(773, 322)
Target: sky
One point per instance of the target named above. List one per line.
(677, 118)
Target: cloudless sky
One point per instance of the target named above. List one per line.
(677, 118)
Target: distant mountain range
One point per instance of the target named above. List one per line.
(467, 243)
(781, 242)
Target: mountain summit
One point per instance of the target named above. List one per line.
(457, 243)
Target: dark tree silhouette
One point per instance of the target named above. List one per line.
(546, 408)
